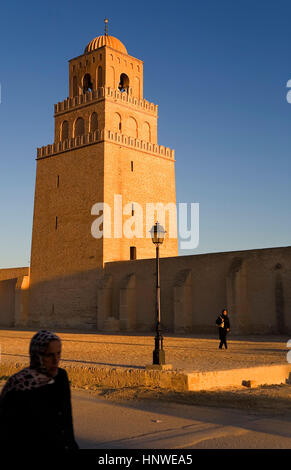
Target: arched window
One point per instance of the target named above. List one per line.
(87, 83)
(75, 86)
(64, 130)
(94, 122)
(146, 132)
(116, 122)
(131, 127)
(99, 77)
(137, 86)
(79, 127)
(111, 77)
(124, 83)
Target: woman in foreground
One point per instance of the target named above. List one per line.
(35, 403)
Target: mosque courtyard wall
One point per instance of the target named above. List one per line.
(255, 286)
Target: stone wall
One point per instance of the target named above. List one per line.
(254, 285)
(13, 295)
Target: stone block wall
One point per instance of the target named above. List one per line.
(13, 295)
(254, 285)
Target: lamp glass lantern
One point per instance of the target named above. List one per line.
(158, 234)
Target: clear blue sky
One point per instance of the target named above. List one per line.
(218, 71)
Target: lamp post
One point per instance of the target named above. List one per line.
(158, 235)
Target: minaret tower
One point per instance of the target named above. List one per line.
(105, 151)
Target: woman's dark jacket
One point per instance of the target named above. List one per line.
(39, 419)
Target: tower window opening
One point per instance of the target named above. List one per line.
(132, 210)
(119, 126)
(64, 130)
(58, 181)
(87, 83)
(56, 223)
(79, 127)
(75, 86)
(132, 253)
(99, 77)
(94, 122)
(131, 166)
(124, 83)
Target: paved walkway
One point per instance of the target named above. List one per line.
(189, 353)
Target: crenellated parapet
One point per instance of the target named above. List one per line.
(143, 105)
(69, 144)
(107, 135)
(81, 100)
(138, 144)
(108, 93)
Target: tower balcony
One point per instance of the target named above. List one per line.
(105, 93)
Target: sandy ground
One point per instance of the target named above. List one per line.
(190, 353)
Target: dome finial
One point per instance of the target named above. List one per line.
(106, 23)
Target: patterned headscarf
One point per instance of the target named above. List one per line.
(36, 374)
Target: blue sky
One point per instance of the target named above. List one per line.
(217, 70)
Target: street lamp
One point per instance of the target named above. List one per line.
(158, 236)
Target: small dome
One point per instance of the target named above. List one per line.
(101, 41)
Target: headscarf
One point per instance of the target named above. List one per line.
(35, 375)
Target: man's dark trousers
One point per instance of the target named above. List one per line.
(222, 337)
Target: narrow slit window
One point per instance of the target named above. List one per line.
(58, 181)
(131, 166)
(56, 223)
(132, 252)
(132, 209)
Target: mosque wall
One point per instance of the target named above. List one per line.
(254, 285)
(13, 295)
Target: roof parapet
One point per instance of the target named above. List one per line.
(102, 93)
(107, 135)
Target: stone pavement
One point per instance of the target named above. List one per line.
(190, 353)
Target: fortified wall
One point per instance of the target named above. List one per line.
(254, 285)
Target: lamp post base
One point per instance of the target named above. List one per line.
(159, 357)
(159, 367)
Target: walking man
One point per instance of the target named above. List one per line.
(224, 326)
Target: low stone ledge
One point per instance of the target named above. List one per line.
(263, 375)
(175, 380)
(178, 380)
